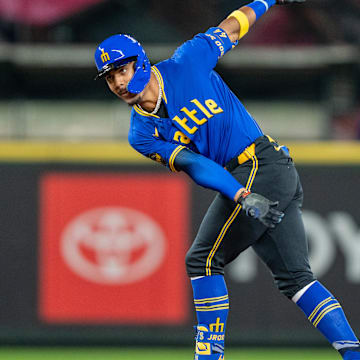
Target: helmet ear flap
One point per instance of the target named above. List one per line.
(141, 76)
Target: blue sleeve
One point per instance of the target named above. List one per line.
(144, 139)
(207, 173)
(204, 50)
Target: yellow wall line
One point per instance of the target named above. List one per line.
(331, 153)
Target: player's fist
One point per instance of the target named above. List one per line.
(284, 2)
(261, 208)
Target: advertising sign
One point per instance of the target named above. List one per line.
(112, 248)
(104, 246)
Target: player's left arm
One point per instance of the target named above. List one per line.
(238, 23)
(209, 174)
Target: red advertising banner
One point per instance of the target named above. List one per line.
(112, 248)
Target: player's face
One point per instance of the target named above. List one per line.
(118, 80)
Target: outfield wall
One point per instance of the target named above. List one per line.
(93, 238)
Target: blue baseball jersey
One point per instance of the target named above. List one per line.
(204, 115)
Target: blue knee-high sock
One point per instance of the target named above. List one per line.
(326, 314)
(212, 307)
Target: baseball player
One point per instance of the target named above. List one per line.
(185, 117)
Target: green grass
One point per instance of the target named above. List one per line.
(24, 353)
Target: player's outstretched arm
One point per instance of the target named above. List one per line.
(238, 23)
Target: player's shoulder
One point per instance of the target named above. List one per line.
(140, 118)
(167, 67)
(142, 125)
(171, 75)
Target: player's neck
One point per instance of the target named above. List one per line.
(151, 94)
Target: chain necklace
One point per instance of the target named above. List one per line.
(158, 102)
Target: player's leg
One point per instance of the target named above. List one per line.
(326, 314)
(225, 232)
(209, 289)
(212, 306)
(285, 251)
(217, 242)
(205, 263)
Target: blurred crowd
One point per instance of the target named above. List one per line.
(315, 23)
(318, 21)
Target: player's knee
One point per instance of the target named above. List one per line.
(291, 284)
(189, 262)
(194, 264)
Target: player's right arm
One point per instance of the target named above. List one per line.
(204, 50)
(238, 23)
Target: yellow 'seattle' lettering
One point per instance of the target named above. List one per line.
(202, 108)
(182, 123)
(213, 106)
(191, 115)
(181, 137)
(211, 109)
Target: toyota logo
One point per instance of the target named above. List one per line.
(113, 245)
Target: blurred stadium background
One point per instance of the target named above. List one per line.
(93, 236)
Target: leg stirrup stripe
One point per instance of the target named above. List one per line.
(212, 308)
(311, 316)
(326, 311)
(211, 300)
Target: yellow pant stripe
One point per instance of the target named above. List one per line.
(311, 316)
(233, 214)
(325, 311)
(253, 172)
(173, 156)
(211, 300)
(220, 237)
(243, 22)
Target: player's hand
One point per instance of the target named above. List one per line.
(284, 2)
(261, 208)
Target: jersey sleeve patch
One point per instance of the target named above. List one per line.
(220, 40)
(158, 158)
(204, 50)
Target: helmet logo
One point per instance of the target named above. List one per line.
(104, 55)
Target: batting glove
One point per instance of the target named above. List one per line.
(284, 2)
(261, 208)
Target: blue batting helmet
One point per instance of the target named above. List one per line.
(118, 50)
